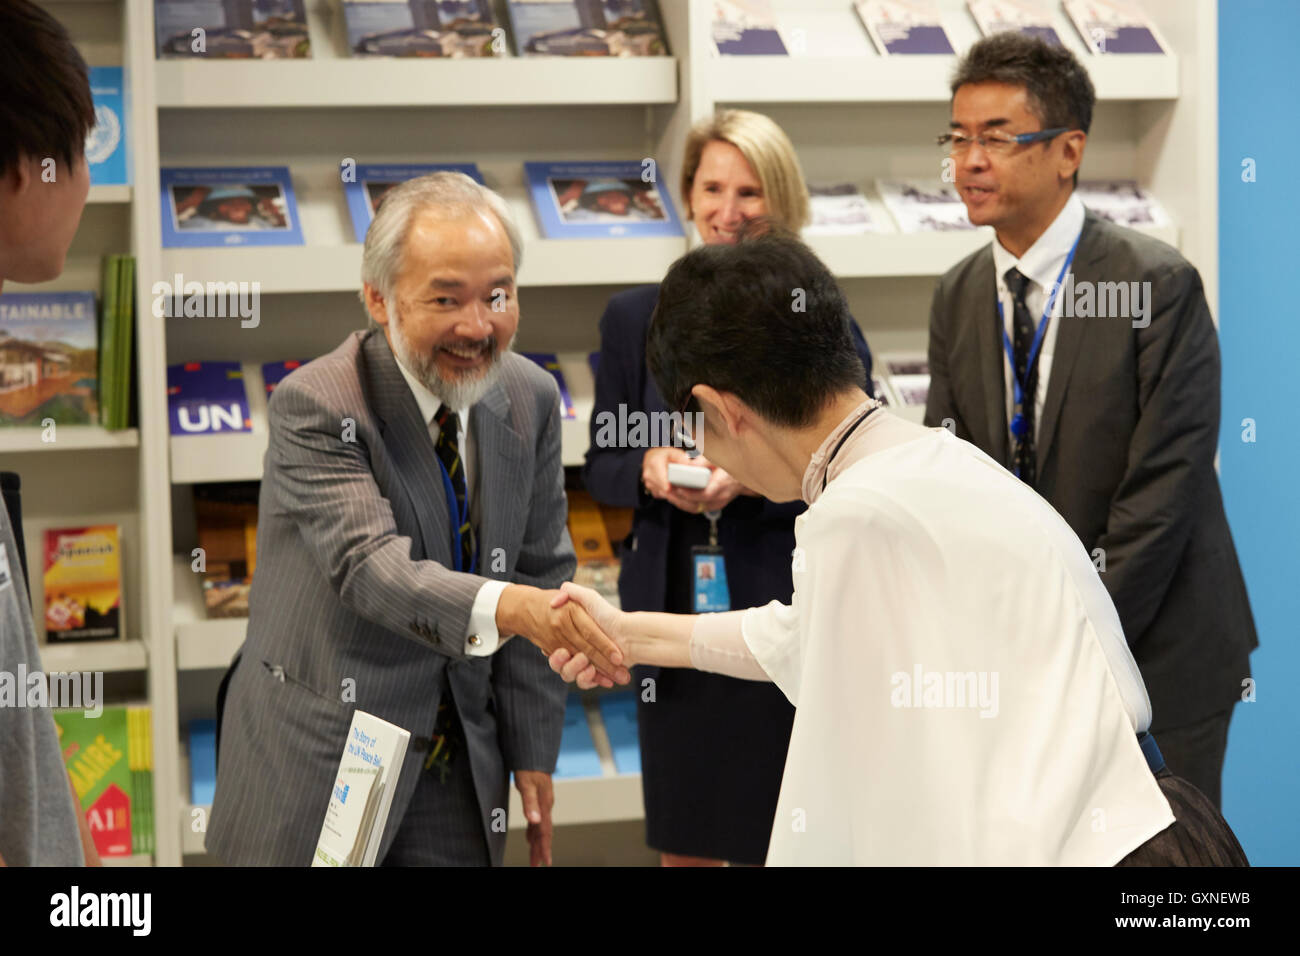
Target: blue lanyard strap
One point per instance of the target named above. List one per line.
(457, 518)
(1017, 385)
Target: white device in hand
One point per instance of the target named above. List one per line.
(688, 476)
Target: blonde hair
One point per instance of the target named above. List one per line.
(770, 155)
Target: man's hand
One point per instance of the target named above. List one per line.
(537, 794)
(576, 666)
(529, 611)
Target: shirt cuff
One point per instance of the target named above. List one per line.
(483, 638)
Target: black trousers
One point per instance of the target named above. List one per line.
(1195, 753)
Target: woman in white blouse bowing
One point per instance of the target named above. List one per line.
(963, 690)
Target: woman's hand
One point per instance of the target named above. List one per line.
(719, 492)
(606, 617)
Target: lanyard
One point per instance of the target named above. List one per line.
(1019, 425)
(458, 518)
(843, 438)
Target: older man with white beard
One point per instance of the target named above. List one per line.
(412, 518)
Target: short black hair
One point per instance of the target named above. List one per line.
(763, 319)
(1059, 89)
(45, 105)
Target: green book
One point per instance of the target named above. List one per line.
(126, 322)
(107, 340)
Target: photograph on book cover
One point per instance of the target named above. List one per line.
(232, 29)
(423, 28)
(587, 28)
(229, 207)
(49, 359)
(372, 183)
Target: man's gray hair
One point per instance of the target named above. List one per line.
(453, 195)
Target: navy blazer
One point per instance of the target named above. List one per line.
(757, 535)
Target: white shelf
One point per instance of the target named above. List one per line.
(547, 262)
(109, 194)
(201, 643)
(107, 656)
(138, 859)
(233, 457)
(331, 81)
(67, 438)
(919, 79)
(885, 254)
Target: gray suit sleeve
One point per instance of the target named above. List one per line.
(529, 695)
(1170, 452)
(324, 484)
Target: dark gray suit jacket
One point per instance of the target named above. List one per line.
(352, 584)
(1125, 449)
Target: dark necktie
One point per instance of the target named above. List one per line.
(1022, 340)
(448, 734)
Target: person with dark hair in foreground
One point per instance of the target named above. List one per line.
(45, 114)
(963, 690)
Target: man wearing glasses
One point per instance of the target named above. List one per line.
(1111, 415)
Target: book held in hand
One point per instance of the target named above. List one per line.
(904, 26)
(83, 584)
(600, 200)
(1022, 16)
(362, 792)
(587, 28)
(231, 29)
(206, 398)
(371, 183)
(746, 28)
(49, 359)
(106, 144)
(1113, 26)
(423, 28)
(229, 206)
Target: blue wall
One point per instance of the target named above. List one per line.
(1259, 263)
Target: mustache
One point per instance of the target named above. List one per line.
(487, 345)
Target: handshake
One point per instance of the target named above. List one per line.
(582, 635)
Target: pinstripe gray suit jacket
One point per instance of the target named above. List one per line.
(352, 585)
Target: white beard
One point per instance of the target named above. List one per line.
(459, 392)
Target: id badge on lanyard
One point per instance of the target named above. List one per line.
(709, 572)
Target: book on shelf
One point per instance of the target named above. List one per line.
(909, 377)
(924, 205)
(207, 398)
(593, 360)
(225, 516)
(423, 28)
(587, 28)
(83, 584)
(618, 713)
(746, 28)
(1122, 201)
(273, 373)
(839, 210)
(107, 154)
(231, 29)
(578, 756)
(116, 337)
(904, 27)
(1113, 26)
(1030, 17)
(550, 362)
(110, 761)
(203, 761)
(49, 359)
(600, 200)
(366, 185)
(362, 792)
(880, 389)
(229, 206)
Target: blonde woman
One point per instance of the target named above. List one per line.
(712, 747)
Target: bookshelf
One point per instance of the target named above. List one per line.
(853, 116)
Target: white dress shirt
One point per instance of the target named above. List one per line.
(1041, 264)
(483, 638)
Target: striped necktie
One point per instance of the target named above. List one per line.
(1022, 340)
(448, 449)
